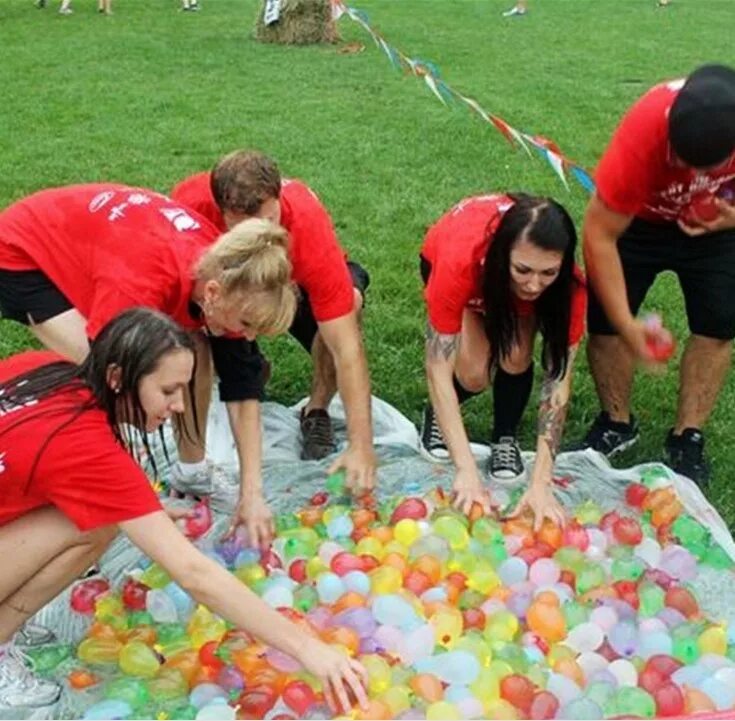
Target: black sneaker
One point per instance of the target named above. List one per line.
(40, 4)
(506, 463)
(317, 436)
(609, 437)
(433, 445)
(685, 455)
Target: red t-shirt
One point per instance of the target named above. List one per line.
(456, 246)
(637, 175)
(108, 247)
(82, 470)
(319, 263)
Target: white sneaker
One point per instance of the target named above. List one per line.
(65, 11)
(33, 634)
(202, 483)
(19, 687)
(513, 11)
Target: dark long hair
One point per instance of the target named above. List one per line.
(546, 224)
(135, 342)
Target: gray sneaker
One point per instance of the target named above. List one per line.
(33, 634)
(19, 686)
(317, 436)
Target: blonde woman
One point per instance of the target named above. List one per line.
(71, 258)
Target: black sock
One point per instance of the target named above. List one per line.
(511, 392)
(462, 393)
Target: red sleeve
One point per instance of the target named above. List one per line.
(195, 192)
(319, 263)
(626, 175)
(90, 478)
(447, 294)
(578, 315)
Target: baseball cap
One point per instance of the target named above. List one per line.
(702, 117)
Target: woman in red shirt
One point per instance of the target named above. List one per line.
(69, 484)
(497, 270)
(73, 257)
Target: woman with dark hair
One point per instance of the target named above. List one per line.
(498, 269)
(69, 484)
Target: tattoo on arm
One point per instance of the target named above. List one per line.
(440, 345)
(552, 414)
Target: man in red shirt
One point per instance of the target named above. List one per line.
(245, 184)
(664, 202)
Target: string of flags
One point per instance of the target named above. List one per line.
(429, 73)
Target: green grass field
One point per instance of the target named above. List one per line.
(152, 94)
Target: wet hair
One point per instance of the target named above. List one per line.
(134, 342)
(546, 224)
(251, 264)
(243, 180)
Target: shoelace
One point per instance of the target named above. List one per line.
(436, 439)
(505, 454)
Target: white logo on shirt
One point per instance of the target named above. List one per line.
(2, 462)
(180, 219)
(676, 84)
(100, 201)
(139, 199)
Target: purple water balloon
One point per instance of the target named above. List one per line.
(359, 619)
(623, 638)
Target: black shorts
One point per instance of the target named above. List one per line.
(304, 326)
(705, 266)
(241, 368)
(28, 296)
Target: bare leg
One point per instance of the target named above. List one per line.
(704, 367)
(612, 367)
(66, 334)
(192, 443)
(48, 553)
(324, 380)
(473, 355)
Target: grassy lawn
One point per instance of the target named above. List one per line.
(152, 94)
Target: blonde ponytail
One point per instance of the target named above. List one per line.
(251, 265)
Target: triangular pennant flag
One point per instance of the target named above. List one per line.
(556, 162)
(432, 85)
(584, 179)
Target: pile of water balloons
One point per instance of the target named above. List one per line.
(453, 617)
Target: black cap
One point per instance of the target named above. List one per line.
(702, 117)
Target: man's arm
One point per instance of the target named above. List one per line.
(343, 339)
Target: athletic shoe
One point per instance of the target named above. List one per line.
(514, 12)
(685, 455)
(433, 445)
(197, 484)
(19, 687)
(609, 437)
(317, 436)
(40, 4)
(33, 634)
(65, 11)
(506, 463)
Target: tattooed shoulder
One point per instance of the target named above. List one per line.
(440, 345)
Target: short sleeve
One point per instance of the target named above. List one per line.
(91, 478)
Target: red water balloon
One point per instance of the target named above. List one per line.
(669, 700)
(85, 594)
(576, 535)
(682, 600)
(342, 563)
(413, 508)
(199, 522)
(297, 570)
(299, 697)
(518, 690)
(627, 531)
(544, 705)
(133, 595)
(635, 494)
